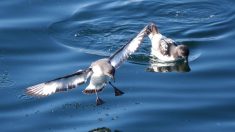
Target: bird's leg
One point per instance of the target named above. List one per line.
(99, 101)
(116, 90)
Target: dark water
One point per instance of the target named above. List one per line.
(41, 40)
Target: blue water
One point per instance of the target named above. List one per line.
(42, 40)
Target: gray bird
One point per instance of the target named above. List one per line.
(100, 73)
(165, 49)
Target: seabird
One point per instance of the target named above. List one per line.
(165, 49)
(100, 73)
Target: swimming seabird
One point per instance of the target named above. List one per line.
(100, 73)
(165, 49)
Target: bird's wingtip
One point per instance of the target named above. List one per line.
(36, 90)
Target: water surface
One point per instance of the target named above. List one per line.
(42, 40)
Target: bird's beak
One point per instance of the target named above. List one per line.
(185, 59)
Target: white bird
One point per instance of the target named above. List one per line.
(100, 72)
(165, 49)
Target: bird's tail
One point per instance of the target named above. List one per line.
(92, 90)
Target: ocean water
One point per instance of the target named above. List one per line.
(42, 40)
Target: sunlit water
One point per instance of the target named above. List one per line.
(41, 40)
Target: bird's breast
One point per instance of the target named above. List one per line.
(100, 80)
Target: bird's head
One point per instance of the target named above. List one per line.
(182, 51)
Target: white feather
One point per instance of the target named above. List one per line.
(157, 41)
(123, 53)
(60, 84)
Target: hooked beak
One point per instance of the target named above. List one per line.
(184, 59)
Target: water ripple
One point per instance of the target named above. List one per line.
(34, 47)
(5, 80)
(197, 12)
(101, 36)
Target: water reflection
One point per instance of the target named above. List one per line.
(159, 66)
(103, 129)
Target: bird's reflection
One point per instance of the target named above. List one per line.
(103, 129)
(176, 66)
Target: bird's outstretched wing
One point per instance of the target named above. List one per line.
(126, 50)
(60, 84)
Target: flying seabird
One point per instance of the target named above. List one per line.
(100, 73)
(165, 49)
